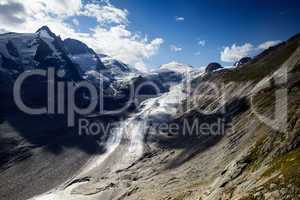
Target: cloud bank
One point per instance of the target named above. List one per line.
(268, 44)
(235, 52)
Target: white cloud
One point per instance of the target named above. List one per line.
(141, 67)
(202, 43)
(268, 44)
(11, 12)
(109, 36)
(106, 13)
(75, 22)
(179, 19)
(174, 48)
(235, 52)
(198, 53)
(122, 44)
(58, 8)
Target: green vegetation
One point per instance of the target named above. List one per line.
(182, 196)
(288, 165)
(286, 169)
(249, 197)
(264, 101)
(257, 154)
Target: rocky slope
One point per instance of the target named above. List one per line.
(249, 159)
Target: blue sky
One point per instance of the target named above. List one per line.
(218, 23)
(148, 33)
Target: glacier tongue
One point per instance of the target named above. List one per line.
(130, 135)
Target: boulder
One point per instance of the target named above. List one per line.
(242, 61)
(213, 67)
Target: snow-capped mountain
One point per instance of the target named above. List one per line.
(24, 51)
(89, 61)
(114, 64)
(177, 67)
(117, 68)
(21, 52)
(97, 66)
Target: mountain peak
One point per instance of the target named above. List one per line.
(213, 66)
(177, 67)
(45, 30)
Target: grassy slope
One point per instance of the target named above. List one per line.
(280, 150)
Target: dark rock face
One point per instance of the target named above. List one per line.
(10, 64)
(148, 89)
(122, 66)
(212, 67)
(83, 55)
(242, 61)
(169, 76)
(47, 58)
(72, 69)
(114, 66)
(76, 47)
(43, 51)
(12, 50)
